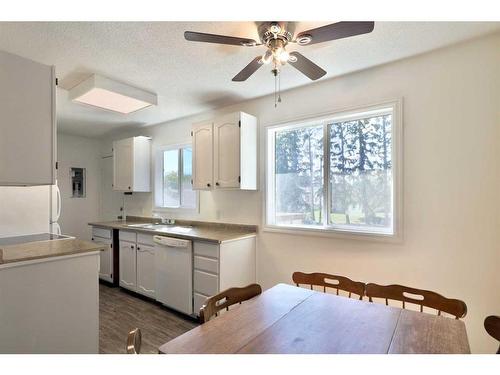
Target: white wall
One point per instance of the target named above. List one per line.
(79, 152)
(451, 180)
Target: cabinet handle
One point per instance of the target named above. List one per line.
(216, 184)
(208, 185)
(129, 187)
(131, 246)
(138, 248)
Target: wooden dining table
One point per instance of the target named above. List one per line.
(290, 320)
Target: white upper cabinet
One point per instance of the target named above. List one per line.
(202, 135)
(225, 153)
(132, 164)
(28, 122)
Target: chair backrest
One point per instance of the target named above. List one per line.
(330, 281)
(492, 326)
(134, 340)
(419, 297)
(227, 298)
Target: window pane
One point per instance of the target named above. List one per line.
(361, 173)
(188, 195)
(299, 176)
(171, 197)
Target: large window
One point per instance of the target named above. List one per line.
(174, 174)
(335, 173)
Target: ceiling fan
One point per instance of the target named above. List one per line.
(276, 36)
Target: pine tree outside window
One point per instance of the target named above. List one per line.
(337, 173)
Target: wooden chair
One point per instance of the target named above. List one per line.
(492, 326)
(330, 281)
(134, 341)
(227, 298)
(419, 297)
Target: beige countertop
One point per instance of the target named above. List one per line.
(45, 249)
(214, 232)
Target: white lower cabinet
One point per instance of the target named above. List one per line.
(221, 266)
(128, 265)
(137, 263)
(146, 277)
(104, 236)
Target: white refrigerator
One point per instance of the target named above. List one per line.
(28, 210)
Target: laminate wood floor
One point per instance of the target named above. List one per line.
(120, 312)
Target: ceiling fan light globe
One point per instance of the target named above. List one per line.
(267, 57)
(284, 56)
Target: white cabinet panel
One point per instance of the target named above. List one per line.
(206, 249)
(105, 257)
(146, 276)
(101, 232)
(227, 152)
(27, 127)
(123, 164)
(198, 301)
(206, 264)
(205, 283)
(202, 156)
(128, 265)
(132, 164)
(128, 236)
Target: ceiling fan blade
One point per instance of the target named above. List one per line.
(337, 30)
(220, 39)
(306, 66)
(248, 70)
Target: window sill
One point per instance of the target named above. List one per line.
(334, 233)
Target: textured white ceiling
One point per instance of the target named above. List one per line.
(193, 77)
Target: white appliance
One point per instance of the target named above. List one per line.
(29, 209)
(174, 273)
(24, 210)
(55, 209)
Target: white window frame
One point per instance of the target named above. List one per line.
(327, 118)
(158, 181)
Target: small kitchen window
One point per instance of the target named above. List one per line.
(78, 187)
(173, 178)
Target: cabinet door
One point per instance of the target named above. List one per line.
(227, 152)
(123, 163)
(27, 126)
(128, 275)
(202, 156)
(146, 276)
(105, 259)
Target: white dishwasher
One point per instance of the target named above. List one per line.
(174, 273)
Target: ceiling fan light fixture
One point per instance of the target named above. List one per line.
(275, 28)
(304, 39)
(267, 57)
(284, 56)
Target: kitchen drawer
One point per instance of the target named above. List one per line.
(206, 264)
(205, 283)
(198, 302)
(128, 236)
(145, 239)
(206, 249)
(101, 232)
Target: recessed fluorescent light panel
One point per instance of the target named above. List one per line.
(105, 93)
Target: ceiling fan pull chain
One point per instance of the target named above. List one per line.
(279, 88)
